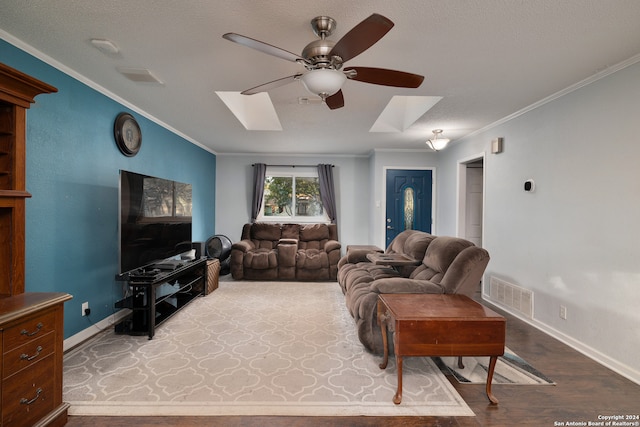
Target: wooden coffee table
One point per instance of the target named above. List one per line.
(440, 325)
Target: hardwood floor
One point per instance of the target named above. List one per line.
(584, 390)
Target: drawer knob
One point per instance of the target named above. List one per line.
(25, 401)
(26, 357)
(39, 326)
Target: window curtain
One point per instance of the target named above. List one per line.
(327, 191)
(259, 173)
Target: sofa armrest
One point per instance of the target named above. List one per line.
(287, 249)
(402, 285)
(331, 245)
(243, 246)
(356, 254)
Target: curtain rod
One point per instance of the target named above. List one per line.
(293, 166)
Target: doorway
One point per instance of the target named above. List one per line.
(471, 199)
(409, 201)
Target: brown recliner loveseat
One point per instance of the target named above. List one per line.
(449, 265)
(268, 251)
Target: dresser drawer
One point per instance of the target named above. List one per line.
(25, 401)
(28, 329)
(28, 354)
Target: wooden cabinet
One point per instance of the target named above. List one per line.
(17, 92)
(31, 324)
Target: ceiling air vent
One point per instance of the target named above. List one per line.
(303, 100)
(139, 75)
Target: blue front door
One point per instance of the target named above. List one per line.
(409, 196)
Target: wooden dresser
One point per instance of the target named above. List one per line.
(31, 323)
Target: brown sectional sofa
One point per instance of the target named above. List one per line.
(449, 265)
(268, 251)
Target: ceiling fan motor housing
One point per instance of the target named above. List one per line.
(317, 52)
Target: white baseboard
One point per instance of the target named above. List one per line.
(94, 329)
(615, 365)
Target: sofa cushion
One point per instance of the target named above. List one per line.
(312, 259)
(442, 251)
(264, 231)
(439, 256)
(309, 232)
(290, 231)
(260, 259)
(397, 244)
(416, 245)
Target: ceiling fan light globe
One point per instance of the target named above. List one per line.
(323, 82)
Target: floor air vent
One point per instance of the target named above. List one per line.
(512, 296)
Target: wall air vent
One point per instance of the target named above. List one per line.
(512, 296)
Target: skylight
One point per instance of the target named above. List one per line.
(255, 112)
(402, 112)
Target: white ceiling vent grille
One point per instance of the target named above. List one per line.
(139, 75)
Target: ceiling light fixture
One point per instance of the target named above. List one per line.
(437, 144)
(323, 82)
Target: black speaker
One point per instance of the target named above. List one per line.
(200, 248)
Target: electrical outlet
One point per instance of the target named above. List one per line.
(563, 312)
(85, 308)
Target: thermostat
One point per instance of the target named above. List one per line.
(529, 185)
(496, 145)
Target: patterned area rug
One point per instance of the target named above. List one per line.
(252, 348)
(510, 369)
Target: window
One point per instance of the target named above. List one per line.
(162, 198)
(292, 196)
(408, 208)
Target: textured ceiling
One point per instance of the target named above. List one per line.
(486, 59)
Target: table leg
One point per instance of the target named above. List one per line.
(385, 344)
(398, 397)
(492, 367)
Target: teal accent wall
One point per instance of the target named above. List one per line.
(73, 168)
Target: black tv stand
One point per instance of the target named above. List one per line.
(153, 294)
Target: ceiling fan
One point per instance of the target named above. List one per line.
(323, 60)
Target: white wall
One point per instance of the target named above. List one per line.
(234, 189)
(574, 241)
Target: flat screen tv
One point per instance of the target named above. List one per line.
(155, 220)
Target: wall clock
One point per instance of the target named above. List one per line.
(127, 134)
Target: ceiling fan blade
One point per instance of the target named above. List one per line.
(382, 76)
(263, 47)
(271, 85)
(335, 101)
(362, 37)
